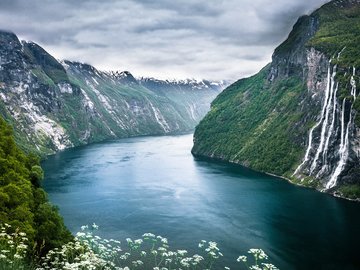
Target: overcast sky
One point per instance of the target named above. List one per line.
(211, 39)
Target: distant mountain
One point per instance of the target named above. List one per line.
(299, 116)
(54, 105)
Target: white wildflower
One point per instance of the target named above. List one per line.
(138, 241)
(181, 252)
(269, 266)
(242, 259)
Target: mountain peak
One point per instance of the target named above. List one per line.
(8, 39)
(124, 77)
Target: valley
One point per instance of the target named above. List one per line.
(54, 105)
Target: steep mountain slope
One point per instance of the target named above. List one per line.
(190, 96)
(298, 117)
(55, 105)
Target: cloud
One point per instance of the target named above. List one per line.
(224, 39)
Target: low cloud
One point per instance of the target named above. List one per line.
(165, 39)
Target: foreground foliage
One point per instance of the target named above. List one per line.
(89, 251)
(23, 204)
(13, 249)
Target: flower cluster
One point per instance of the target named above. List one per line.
(13, 248)
(85, 252)
(91, 252)
(148, 252)
(259, 257)
(152, 252)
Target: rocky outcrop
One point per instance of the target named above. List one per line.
(54, 105)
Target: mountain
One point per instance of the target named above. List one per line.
(54, 105)
(299, 116)
(190, 92)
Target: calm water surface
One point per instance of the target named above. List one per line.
(153, 184)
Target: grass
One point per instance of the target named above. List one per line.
(350, 191)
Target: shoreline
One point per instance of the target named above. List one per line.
(217, 159)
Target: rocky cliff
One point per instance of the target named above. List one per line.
(298, 117)
(54, 105)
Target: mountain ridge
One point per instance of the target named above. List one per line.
(55, 105)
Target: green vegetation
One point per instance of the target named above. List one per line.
(350, 191)
(252, 123)
(42, 77)
(13, 249)
(296, 36)
(339, 35)
(48, 64)
(339, 28)
(23, 204)
(263, 124)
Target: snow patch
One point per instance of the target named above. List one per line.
(44, 126)
(65, 88)
(22, 87)
(88, 104)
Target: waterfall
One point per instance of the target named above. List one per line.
(331, 129)
(307, 154)
(353, 84)
(306, 158)
(324, 127)
(327, 122)
(342, 123)
(344, 142)
(344, 153)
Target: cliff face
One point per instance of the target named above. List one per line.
(298, 117)
(54, 105)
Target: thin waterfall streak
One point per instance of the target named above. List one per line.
(326, 147)
(344, 154)
(307, 153)
(339, 54)
(353, 84)
(326, 94)
(344, 146)
(342, 123)
(325, 123)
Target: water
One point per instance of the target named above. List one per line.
(153, 184)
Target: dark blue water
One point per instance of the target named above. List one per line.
(153, 184)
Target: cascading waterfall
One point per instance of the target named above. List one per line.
(331, 129)
(342, 123)
(344, 143)
(307, 154)
(325, 123)
(344, 153)
(308, 150)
